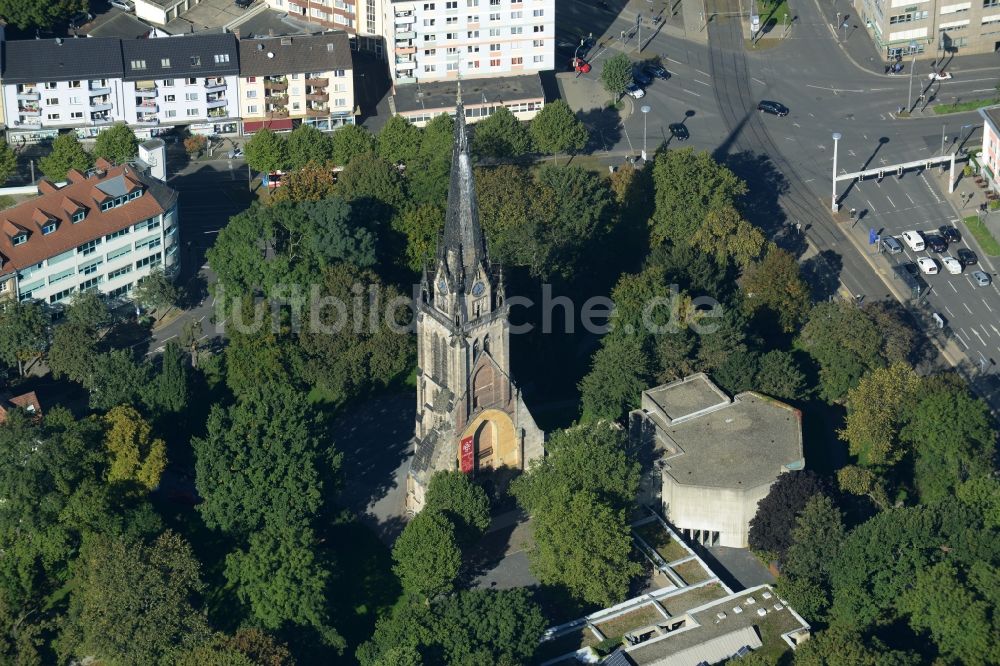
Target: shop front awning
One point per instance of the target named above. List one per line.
(276, 125)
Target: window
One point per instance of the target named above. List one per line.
(295, 77)
(171, 113)
(120, 291)
(472, 64)
(87, 248)
(251, 79)
(170, 98)
(146, 225)
(52, 116)
(138, 64)
(89, 284)
(471, 3)
(494, 47)
(340, 101)
(148, 244)
(538, 28)
(191, 97)
(91, 268)
(192, 113)
(295, 106)
(165, 63)
(991, 3)
(517, 61)
(450, 20)
(168, 82)
(473, 49)
(430, 52)
(74, 84)
(116, 234)
(428, 6)
(451, 35)
(120, 252)
(494, 32)
(451, 66)
(152, 259)
(252, 108)
(62, 275)
(516, 15)
(538, 12)
(195, 61)
(251, 94)
(495, 16)
(538, 43)
(908, 17)
(19, 239)
(65, 293)
(117, 273)
(538, 58)
(494, 62)
(52, 101)
(74, 100)
(516, 30)
(220, 58)
(48, 228)
(428, 22)
(494, 3)
(451, 4)
(190, 82)
(430, 68)
(50, 85)
(76, 114)
(339, 73)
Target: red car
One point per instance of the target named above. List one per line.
(580, 65)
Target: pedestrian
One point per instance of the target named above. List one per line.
(798, 227)
(854, 213)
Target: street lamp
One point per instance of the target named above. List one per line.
(913, 64)
(576, 61)
(833, 198)
(942, 137)
(645, 108)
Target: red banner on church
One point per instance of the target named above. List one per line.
(468, 455)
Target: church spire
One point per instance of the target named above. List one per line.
(463, 248)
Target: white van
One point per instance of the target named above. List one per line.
(914, 240)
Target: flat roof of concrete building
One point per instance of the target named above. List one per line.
(687, 397)
(992, 114)
(440, 95)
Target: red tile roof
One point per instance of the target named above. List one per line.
(28, 402)
(59, 204)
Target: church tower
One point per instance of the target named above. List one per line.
(470, 414)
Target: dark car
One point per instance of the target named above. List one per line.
(777, 108)
(911, 268)
(679, 131)
(641, 78)
(80, 20)
(951, 234)
(936, 243)
(243, 4)
(967, 257)
(656, 71)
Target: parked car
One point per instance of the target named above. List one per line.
(950, 233)
(939, 76)
(124, 5)
(967, 257)
(927, 266)
(235, 153)
(952, 265)
(679, 131)
(656, 71)
(80, 20)
(634, 91)
(913, 239)
(911, 269)
(891, 245)
(243, 4)
(936, 243)
(776, 108)
(982, 279)
(641, 78)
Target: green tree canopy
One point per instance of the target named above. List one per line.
(247, 647)
(616, 75)
(816, 538)
(779, 376)
(511, 204)
(421, 225)
(619, 373)
(334, 237)
(725, 235)
(155, 291)
(875, 413)
(349, 141)
(307, 144)
(266, 151)
(167, 393)
(501, 135)
(777, 514)
(23, 329)
(845, 343)
(368, 176)
(775, 284)
(39, 13)
(136, 456)
(117, 144)
(849, 647)
(8, 162)
(426, 555)
(73, 352)
(67, 153)
(312, 181)
(115, 379)
(399, 141)
(463, 502)
(556, 129)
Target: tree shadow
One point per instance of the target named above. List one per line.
(822, 273)
(604, 125)
(765, 185)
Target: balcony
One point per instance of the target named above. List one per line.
(28, 124)
(99, 88)
(147, 106)
(406, 65)
(408, 19)
(31, 112)
(101, 118)
(100, 104)
(317, 81)
(317, 97)
(276, 113)
(317, 113)
(214, 84)
(406, 50)
(216, 103)
(147, 120)
(275, 85)
(146, 90)
(29, 96)
(218, 113)
(277, 99)
(404, 36)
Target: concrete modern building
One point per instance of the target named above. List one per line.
(932, 29)
(350, 15)
(162, 12)
(184, 80)
(301, 78)
(103, 230)
(470, 414)
(713, 457)
(444, 40)
(419, 103)
(989, 158)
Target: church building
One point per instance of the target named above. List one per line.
(470, 414)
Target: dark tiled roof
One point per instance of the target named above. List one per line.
(182, 52)
(59, 204)
(295, 54)
(34, 60)
(463, 247)
(441, 95)
(122, 25)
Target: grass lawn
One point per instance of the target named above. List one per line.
(983, 236)
(657, 537)
(971, 105)
(565, 644)
(771, 629)
(6, 201)
(640, 617)
(691, 571)
(681, 603)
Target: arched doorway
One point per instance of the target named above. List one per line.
(485, 444)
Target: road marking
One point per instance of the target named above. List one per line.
(984, 330)
(677, 62)
(706, 74)
(994, 329)
(950, 313)
(691, 91)
(758, 81)
(981, 341)
(890, 201)
(701, 82)
(796, 125)
(969, 309)
(987, 305)
(963, 342)
(870, 206)
(962, 332)
(952, 287)
(910, 198)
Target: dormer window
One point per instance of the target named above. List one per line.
(108, 205)
(19, 239)
(48, 228)
(79, 215)
(195, 61)
(135, 195)
(138, 64)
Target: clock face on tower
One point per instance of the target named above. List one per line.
(478, 289)
(442, 286)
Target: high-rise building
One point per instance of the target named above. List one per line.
(931, 29)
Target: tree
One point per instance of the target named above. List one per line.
(399, 141)
(845, 343)
(350, 141)
(779, 376)
(577, 223)
(370, 176)
(771, 528)
(133, 603)
(281, 579)
(860, 481)
(875, 411)
(501, 135)
(266, 151)
(426, 555)
(688, 185)
(421, 225)
(155, 291)
(511, 203)
(619, 373)
(818, 533)
(776, 285)
(617, 75)
(555, 129)
(261, 460)
(67, 153)
(117, 144)
(247, 647)
(337, 237)
(39, 13)
(23, 328)
(168, 392)
(115, 379)
(307, 144)
(312, 181)
(463, 502)
(838, 646)
(135, 455)
(728, 237)
(88, 309)
(8, 162)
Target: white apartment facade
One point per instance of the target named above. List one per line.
(439, 40)
(104, 230)
(931, 29)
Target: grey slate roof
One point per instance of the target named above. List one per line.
(189, 56)
(36, 60)
(295, 54)
(440, 95)
(125, 26)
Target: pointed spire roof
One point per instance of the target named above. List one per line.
(463, 247)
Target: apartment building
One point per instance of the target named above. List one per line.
(989, 158)
(299, 79)
(103, 230)
(51, 84)
(932, 29)
(439, 40)
(189, 79)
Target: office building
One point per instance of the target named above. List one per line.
(930, 29)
